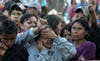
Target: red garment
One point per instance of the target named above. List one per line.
(72, 12)
(1, 7)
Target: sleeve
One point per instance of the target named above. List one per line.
(67, 49)
(89, 51)
(25, 37)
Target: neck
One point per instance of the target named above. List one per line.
(78, 43)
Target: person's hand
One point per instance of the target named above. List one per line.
(39, 44)
(3, 48)
(41, 24)
(48, 33)
(81, 58)
(91, 8)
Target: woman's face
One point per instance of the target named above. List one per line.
(78, 31)
(31, 22)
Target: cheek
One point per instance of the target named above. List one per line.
(81, 34)
(20, 16)
(26, 26)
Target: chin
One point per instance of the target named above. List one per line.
(48, 47)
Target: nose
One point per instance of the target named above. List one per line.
(16, 16)
(75, 31)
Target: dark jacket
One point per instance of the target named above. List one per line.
(16, 53)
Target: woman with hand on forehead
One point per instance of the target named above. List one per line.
(50, 42)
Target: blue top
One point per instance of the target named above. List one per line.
(62, 49)
(43, 3)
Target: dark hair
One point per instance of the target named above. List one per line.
(8, 27)
(7, 5)
(3, 18)
(26, 16)
(72, 1)
(79, 10)
(15, 6)
(53, 21)
(16, 1)
(83, 22)
(44, 11)
(67, 27)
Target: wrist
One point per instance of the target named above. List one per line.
(2, 51)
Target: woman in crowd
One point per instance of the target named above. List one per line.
(85, 49)
(60, 49)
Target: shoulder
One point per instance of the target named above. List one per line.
(89, 44)
(20, 48)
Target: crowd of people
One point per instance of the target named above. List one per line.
(29, 33)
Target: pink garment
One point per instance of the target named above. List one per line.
(72, 12)
(98, 1)
(1, 6)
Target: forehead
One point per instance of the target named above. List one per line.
(32, 18)
(16, 11)
(77, 24)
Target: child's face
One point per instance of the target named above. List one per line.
(31, 22)
(16, 15)
(47, 43)
(67, 35)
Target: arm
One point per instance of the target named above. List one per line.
(31, 33)
(25, 36)
(67, 50)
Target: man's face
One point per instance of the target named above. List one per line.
(16, 15)
(8, 39)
